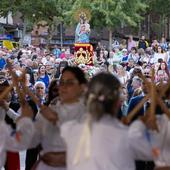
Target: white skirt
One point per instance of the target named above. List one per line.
(43, 166)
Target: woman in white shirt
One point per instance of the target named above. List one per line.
(101, 142)
(122, 74)
(159, 141)
(69, 106)
(160, 54)
(19, 139)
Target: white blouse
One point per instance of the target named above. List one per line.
(111, 146)
(159, 56)
(159, 140)
(8, 140)
(49, 135)
(11, 113)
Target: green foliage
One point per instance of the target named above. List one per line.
(104, 13)
(2, 30)
(36, 10)
(33, 11)
(111, 13)
(160, 7)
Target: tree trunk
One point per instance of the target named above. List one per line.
(24, 30)
(139, 31)
(51, 30)
(162, 26)
(61, 35)
(110, 39)
(168, 29)
(149, 30)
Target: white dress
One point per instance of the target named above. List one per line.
(160, 140)
(111, 146)
(11, 113)
(8, 140)
(124, 79)
(49, 135)
(159, 56)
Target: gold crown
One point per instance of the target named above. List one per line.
(82, 13)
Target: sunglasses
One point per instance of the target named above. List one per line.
(69, 82)
(39, 87)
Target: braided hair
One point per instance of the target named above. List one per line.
(103, 95)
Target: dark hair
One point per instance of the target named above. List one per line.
(166, 67)
(78, 73)
(51, 95)
(61, 64)
(134, 48)
(34, 57)
(136, 72)
(30, 72)
(39, 67)
(161, 49)
(160, 60)
(5, 83)
(102, 95)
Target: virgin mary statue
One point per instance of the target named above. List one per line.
(82, 32)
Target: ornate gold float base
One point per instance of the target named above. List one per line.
(83, 54)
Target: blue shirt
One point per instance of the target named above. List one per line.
(44, 79)
(57, 52)
(2, 63)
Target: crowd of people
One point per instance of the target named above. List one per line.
(77, 124)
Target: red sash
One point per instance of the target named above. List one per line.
(13, 161)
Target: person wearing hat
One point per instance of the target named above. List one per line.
(124, 56)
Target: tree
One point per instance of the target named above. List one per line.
(112, 13)
(51, 11)
(161, 9)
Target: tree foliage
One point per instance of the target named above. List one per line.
(110, 13)
(35, 10)
(160, 7)
(104, 13)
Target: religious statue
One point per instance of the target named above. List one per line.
(82, 30)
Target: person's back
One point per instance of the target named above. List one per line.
(110, 149)
(101, 142)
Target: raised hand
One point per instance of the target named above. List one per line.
(4, 105)
(26, 111)
(49, 114)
